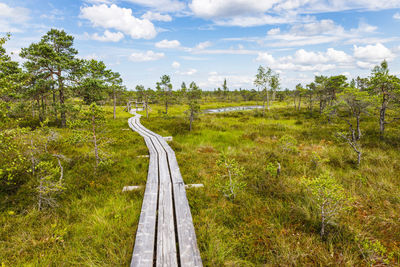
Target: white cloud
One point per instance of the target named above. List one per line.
(203, 45)
(108, 36)
(120, 19)
(396, 15)
(325, 26)
(319, 32)
(168, 44)
(146, 56)
(258, 12)
(365, 28)
(161, 5)
(218, 8)
(175, 65)
(216, 79)
(266, 58)
(156, 16)
(11, 18)
(250, 21)
(373, 53)
(186, 73)
(303, 60)
(274, 31)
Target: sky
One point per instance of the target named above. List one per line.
(207, 41)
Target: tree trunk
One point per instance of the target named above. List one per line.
(147, 108)
(263, 112)
(267, 100)
(191, 120)
(359, 153)
(320, 106)
(299, 103)
(382, 115)
(55, 106)
(115, 104)
(322, 222)
(96, 152)
(358, 128)
(39, 109)
(33, 108)
(43, 107)
(62, 103)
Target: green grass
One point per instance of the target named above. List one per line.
(95, 223)
(271, 222)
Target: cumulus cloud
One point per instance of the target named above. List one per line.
(373, 53)
(274, 31)
(255, 12)
(249, 21)
(168, 44)
(175, 65)
(11, 18)
(161, 5)
(203, 45)
(155, 16)
(186, 73)
(146, 56)
(316, 32)
(216, 79)
(217, 8)
(396, 15)
(121, 19)
(303, 60)
(108, 36)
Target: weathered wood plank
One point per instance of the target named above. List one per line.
(172, 206)
(189, 252)
(143, 252)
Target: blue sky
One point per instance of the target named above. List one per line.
(207, 41)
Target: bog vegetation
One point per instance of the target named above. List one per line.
(310, 178)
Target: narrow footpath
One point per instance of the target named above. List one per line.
(165, 234)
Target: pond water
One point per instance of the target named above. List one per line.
(227, 109)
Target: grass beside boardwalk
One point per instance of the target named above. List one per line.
(272, 221)
(95, 222)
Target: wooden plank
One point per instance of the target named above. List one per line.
(172, 206)
(187, 241)
(166, 243)
(143, 252)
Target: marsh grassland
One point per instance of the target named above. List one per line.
(273, 219)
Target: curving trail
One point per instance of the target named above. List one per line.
(165, 234)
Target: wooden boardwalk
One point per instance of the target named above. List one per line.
(165, 234)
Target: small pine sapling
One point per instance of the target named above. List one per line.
(94, 116)
(288, 144)
(329, 196)
(230, 169)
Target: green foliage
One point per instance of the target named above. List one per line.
(164, 89)
(272, 169)
(329, 196)
(13, 165)
(288, 144)
(373, 252)
(230, 169)
(317, 161)
(92, 86)
(49, 184)
(193, 94)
